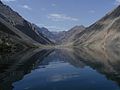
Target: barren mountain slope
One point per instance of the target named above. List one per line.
(104, 32)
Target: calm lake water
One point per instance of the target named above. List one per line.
(67, 69)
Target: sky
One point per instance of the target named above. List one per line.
(60, 15)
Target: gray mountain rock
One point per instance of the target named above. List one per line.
(19, 30)
(103, 33)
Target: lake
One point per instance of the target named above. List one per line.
(60, 69)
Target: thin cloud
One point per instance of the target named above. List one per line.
(53, 4)
(61, 17)
(92, 11)
(43, 9)
(117, 2)
(8, 0)
(26, 7)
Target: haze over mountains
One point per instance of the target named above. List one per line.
(15, 30)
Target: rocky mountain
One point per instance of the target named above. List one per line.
(58, 36)
(62, 36)
(45, 32)
(103, 33)
(18, 30)
(69, 36)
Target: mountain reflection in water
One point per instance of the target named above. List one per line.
(61, 69)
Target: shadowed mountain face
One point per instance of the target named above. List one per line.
(104, 32)
(45, 32)
(18, 30)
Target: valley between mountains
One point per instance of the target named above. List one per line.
(16, 33)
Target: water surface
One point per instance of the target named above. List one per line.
(61, 69)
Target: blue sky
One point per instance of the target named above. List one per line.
(59, 15)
